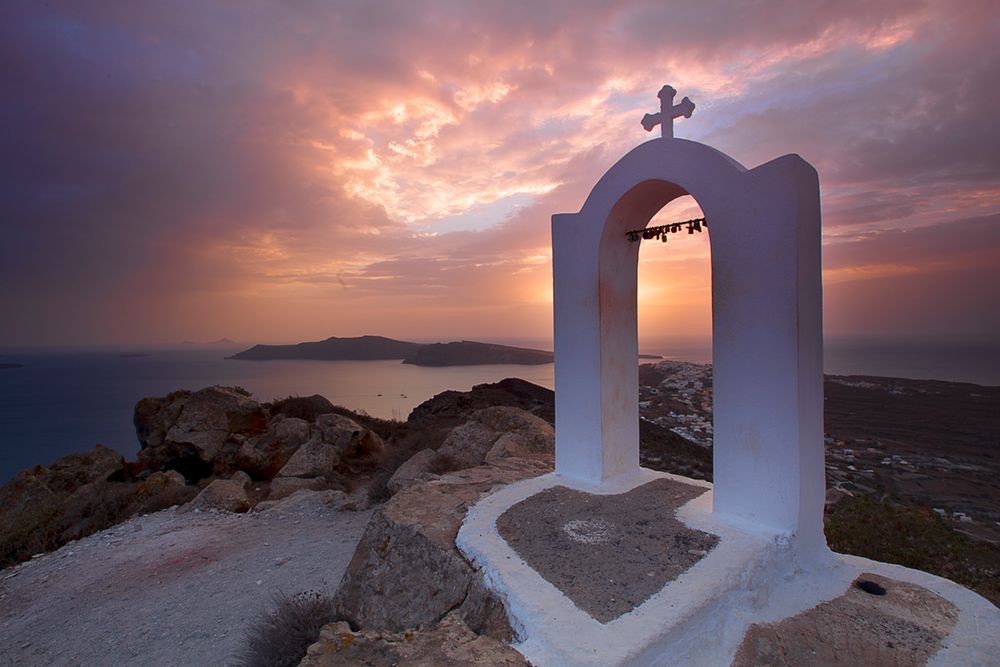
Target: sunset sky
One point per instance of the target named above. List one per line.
(283, 171)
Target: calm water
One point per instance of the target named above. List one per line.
(61, 402)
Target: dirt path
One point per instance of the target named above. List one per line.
(169, 589)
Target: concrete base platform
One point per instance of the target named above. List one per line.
(742, 589)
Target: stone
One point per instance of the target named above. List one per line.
(282, 487)
(450, 642)
(264, 455)
(221, 494)
(154, 416)
(161, 481)
(523, 435)
(210, 415)
(497, 432)
(415, 469)
(305, 498)
(350, 438)
(302, 407)
(313, 459)
(468, 443)
(242, 479)
(903, 627)
(196, 432)
(406, 571)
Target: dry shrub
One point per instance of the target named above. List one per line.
(281, 636)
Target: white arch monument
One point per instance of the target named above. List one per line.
(766, 323)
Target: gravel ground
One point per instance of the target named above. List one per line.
(169, 589)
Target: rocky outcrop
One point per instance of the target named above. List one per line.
(407, 573)
(512, 392)
(499, 432)
(196, 433)
(418, 468)
(222, 494)
(32, 490)
(450, 642)
(46, 506)
(264, 455)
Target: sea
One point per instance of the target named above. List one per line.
(60, 401)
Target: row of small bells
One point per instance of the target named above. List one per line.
(661, 232)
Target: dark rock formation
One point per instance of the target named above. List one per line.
(196, 433)
(44, 507)
(457, 406)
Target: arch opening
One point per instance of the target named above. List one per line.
(619, 312)
(674, 322)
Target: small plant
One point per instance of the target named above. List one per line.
(280, 638)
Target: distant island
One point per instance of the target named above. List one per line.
(361, 348)
(471, 353)
(372, 348)
(221, 341)
(3, 366)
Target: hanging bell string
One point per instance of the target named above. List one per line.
(694, 225)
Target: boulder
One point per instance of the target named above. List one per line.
(313, 459)
(160, 482)
(406, 571)
(264, 455)
(221, 494)
(242, 479)
(468, 443)
(499, 432)
(282, 487)
(196, 433)
(302, 407)
(352, 440)
(456, 405)
(415, 469)
(305, 499)
(210, 415)
(450, 642)
(154, 416)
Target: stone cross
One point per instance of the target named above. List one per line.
(668, 111)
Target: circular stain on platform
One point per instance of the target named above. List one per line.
(608, 554)
(589, 531)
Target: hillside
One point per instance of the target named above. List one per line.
(370, 348)
(471, 353)
(361, 348)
